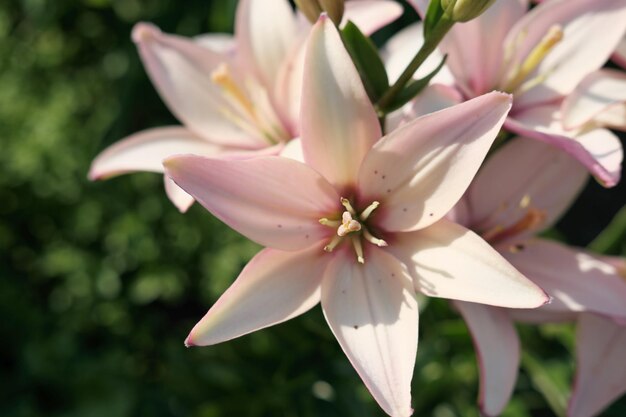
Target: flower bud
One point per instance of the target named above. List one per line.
(310, 8)
(464, 10)
(313, 8)
(334, 8)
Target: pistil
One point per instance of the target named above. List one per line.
(352, 225)
(535, 57)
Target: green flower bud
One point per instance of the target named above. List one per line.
(464, 10)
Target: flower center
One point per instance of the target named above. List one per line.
(250, 107)
(352, 226)
(516, 80)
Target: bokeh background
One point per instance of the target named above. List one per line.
(101, 282)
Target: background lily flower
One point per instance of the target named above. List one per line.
(359, 227)
(236, 96)
(540, 57)
(522, 190)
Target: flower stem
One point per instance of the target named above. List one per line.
(430, 43)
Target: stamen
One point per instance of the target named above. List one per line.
(372, 239)
(333, 244)
(531, 221)
(535, 57)
(346, 203)
(525, 201)
(223, 77)
(330, 223)
(369, 210)
(358, 248)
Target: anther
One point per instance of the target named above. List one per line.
(330, 223)
(333, 244)
(369, 210)
(346, 203)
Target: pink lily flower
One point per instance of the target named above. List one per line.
(522, 190)
(360, 226)
(540, 56)
(236, 97)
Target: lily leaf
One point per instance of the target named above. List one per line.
(367, 61)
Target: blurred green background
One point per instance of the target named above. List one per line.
(101, 282)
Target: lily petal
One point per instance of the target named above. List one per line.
(599, 150)
(223, 43)
(419, 171)
(372, 311)
(601, 375)
(449, 261)
(177, 195)
(181, 71)
(498, 352)
(538, 177)
(600, 97)
(577, 280)
(265, 31)
(274, 201)
(592, 30)
(339, 124)
(371, 15)
(275, 286)
(145, 151)
(619, 55)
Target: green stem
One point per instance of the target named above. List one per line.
(443, 26)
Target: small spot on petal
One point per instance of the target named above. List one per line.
(356, 326)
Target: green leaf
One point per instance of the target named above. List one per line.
(412, 89)
(433, 14)
(367, 61)
(551, 379)
(613, 237)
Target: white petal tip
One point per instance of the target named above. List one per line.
(183, 207)
(188, 342)
(144, 31)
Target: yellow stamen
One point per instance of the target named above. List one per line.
(534, 58)
(330, 223)
(525, 201)
(223, 77)
(369, 210)
(373, 239)
(333, 244)
(358, 248)
(346, 203)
